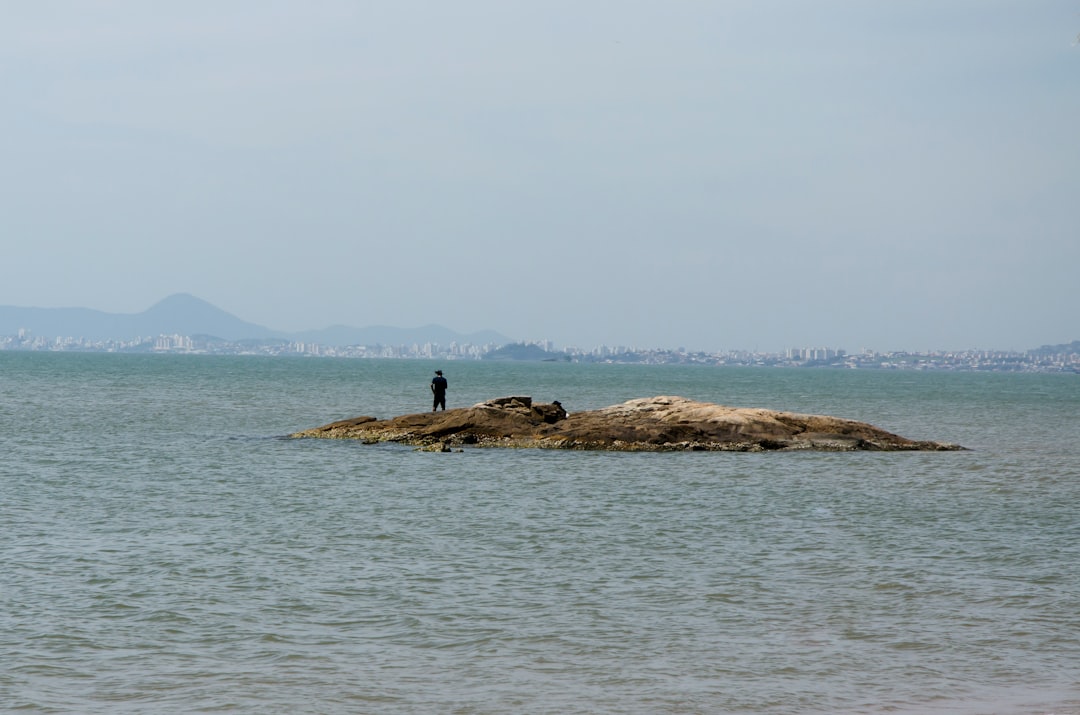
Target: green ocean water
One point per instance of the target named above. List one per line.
(165, 550)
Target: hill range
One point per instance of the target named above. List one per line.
(185, 314)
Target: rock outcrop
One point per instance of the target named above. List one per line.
(652, 424)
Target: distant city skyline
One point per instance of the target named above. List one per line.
(713, 175)
(1049, 359)
(160, 325)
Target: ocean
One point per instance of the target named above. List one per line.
(167, 550)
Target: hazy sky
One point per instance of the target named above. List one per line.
(714, 174)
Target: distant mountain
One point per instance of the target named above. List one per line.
(184, 314)
(178, 314)
(1073, 347)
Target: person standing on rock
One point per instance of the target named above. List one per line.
(438, 389)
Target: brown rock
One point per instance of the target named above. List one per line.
(645, 424)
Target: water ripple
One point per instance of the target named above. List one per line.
(183, 559)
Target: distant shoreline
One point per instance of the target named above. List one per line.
(1059, 359)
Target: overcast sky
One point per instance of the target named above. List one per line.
(714, 174)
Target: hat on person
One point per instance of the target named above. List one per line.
(438, 372)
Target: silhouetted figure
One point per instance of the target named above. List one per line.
(438, 389)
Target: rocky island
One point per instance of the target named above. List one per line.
(651, 424)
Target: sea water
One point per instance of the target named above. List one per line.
(166, 550)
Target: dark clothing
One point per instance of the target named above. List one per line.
(438, 388)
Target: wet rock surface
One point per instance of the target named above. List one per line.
(646, 424)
